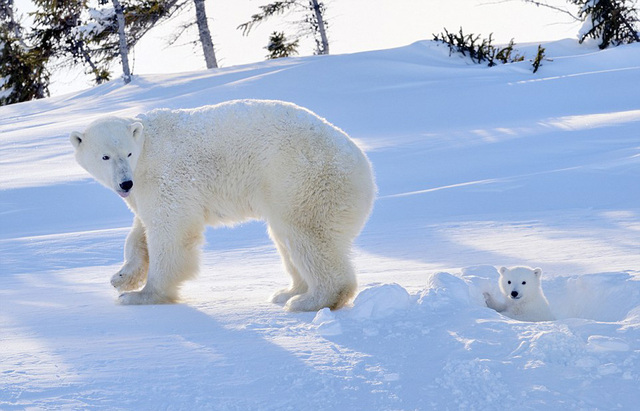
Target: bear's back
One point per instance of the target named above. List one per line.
(238, 119)
(257, 128)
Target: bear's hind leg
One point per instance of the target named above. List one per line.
(173, 258)
(133, 273)
(325, 266)
(298, 285)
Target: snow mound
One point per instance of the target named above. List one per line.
(607, 298)
(444, 289)
(380, 302)
(326, 324)
(491, 350)
(601, 343)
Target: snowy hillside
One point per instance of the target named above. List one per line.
(477, 168)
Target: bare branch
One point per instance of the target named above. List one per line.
(181, 30)
(269, 10)
(540, 4)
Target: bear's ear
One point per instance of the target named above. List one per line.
(136, 130)
(537, 272)
(502, 270)
(76, 138)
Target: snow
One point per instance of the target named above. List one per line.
(3, 81)
(97, 20)
(477, 168)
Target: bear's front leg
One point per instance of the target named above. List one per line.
(493, 304)
(174, 257)
(133, 273)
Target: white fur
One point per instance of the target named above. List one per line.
(523, 297)
(225, 164)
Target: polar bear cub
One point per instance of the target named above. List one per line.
(522, 293)
(180, 170)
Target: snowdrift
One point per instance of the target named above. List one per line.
(477, 167)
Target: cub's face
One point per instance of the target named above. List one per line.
(519, 283)
(109, 150)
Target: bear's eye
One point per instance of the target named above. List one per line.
(105, 158)
(129, 155)
(524, 282)
(508, 282)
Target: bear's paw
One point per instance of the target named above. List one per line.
(128, 280)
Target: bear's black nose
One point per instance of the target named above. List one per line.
(514, 294)
(126, 185)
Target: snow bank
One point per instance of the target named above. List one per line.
(603, 298)
(592, 340)
(380, 302)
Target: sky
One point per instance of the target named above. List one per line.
(354, 25)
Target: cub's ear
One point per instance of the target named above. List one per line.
(136, 130)
(537, 272)
(502, 270)
(76, 138)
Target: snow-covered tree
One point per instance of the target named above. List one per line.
(7, 18)
(23, 75)
(314, 22)
(279, 46)
(116, 30)
(87, 31)
(611, 22)
(58, 35)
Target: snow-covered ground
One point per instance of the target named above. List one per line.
(477, 167)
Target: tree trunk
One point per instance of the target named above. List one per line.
(205, 35)
(321, 28)
(124, 49)
(94, 69)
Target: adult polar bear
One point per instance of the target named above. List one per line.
(179, 170)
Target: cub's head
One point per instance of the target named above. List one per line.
(109, 150)
(520, 283)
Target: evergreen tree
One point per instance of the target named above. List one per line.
(279, 47)
(54, 34)
(537, 61)
(314, 23)
(87, 31)
(612, 22)
(23, 75)
(8, 20)
(478, 51)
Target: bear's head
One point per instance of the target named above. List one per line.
(520, 283)
(109, 150)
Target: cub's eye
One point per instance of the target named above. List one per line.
(105, 158)
(508, 282)
(524, 282)
(129, 155)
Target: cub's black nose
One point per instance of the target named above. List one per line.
(126, 185)
(514, 294)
